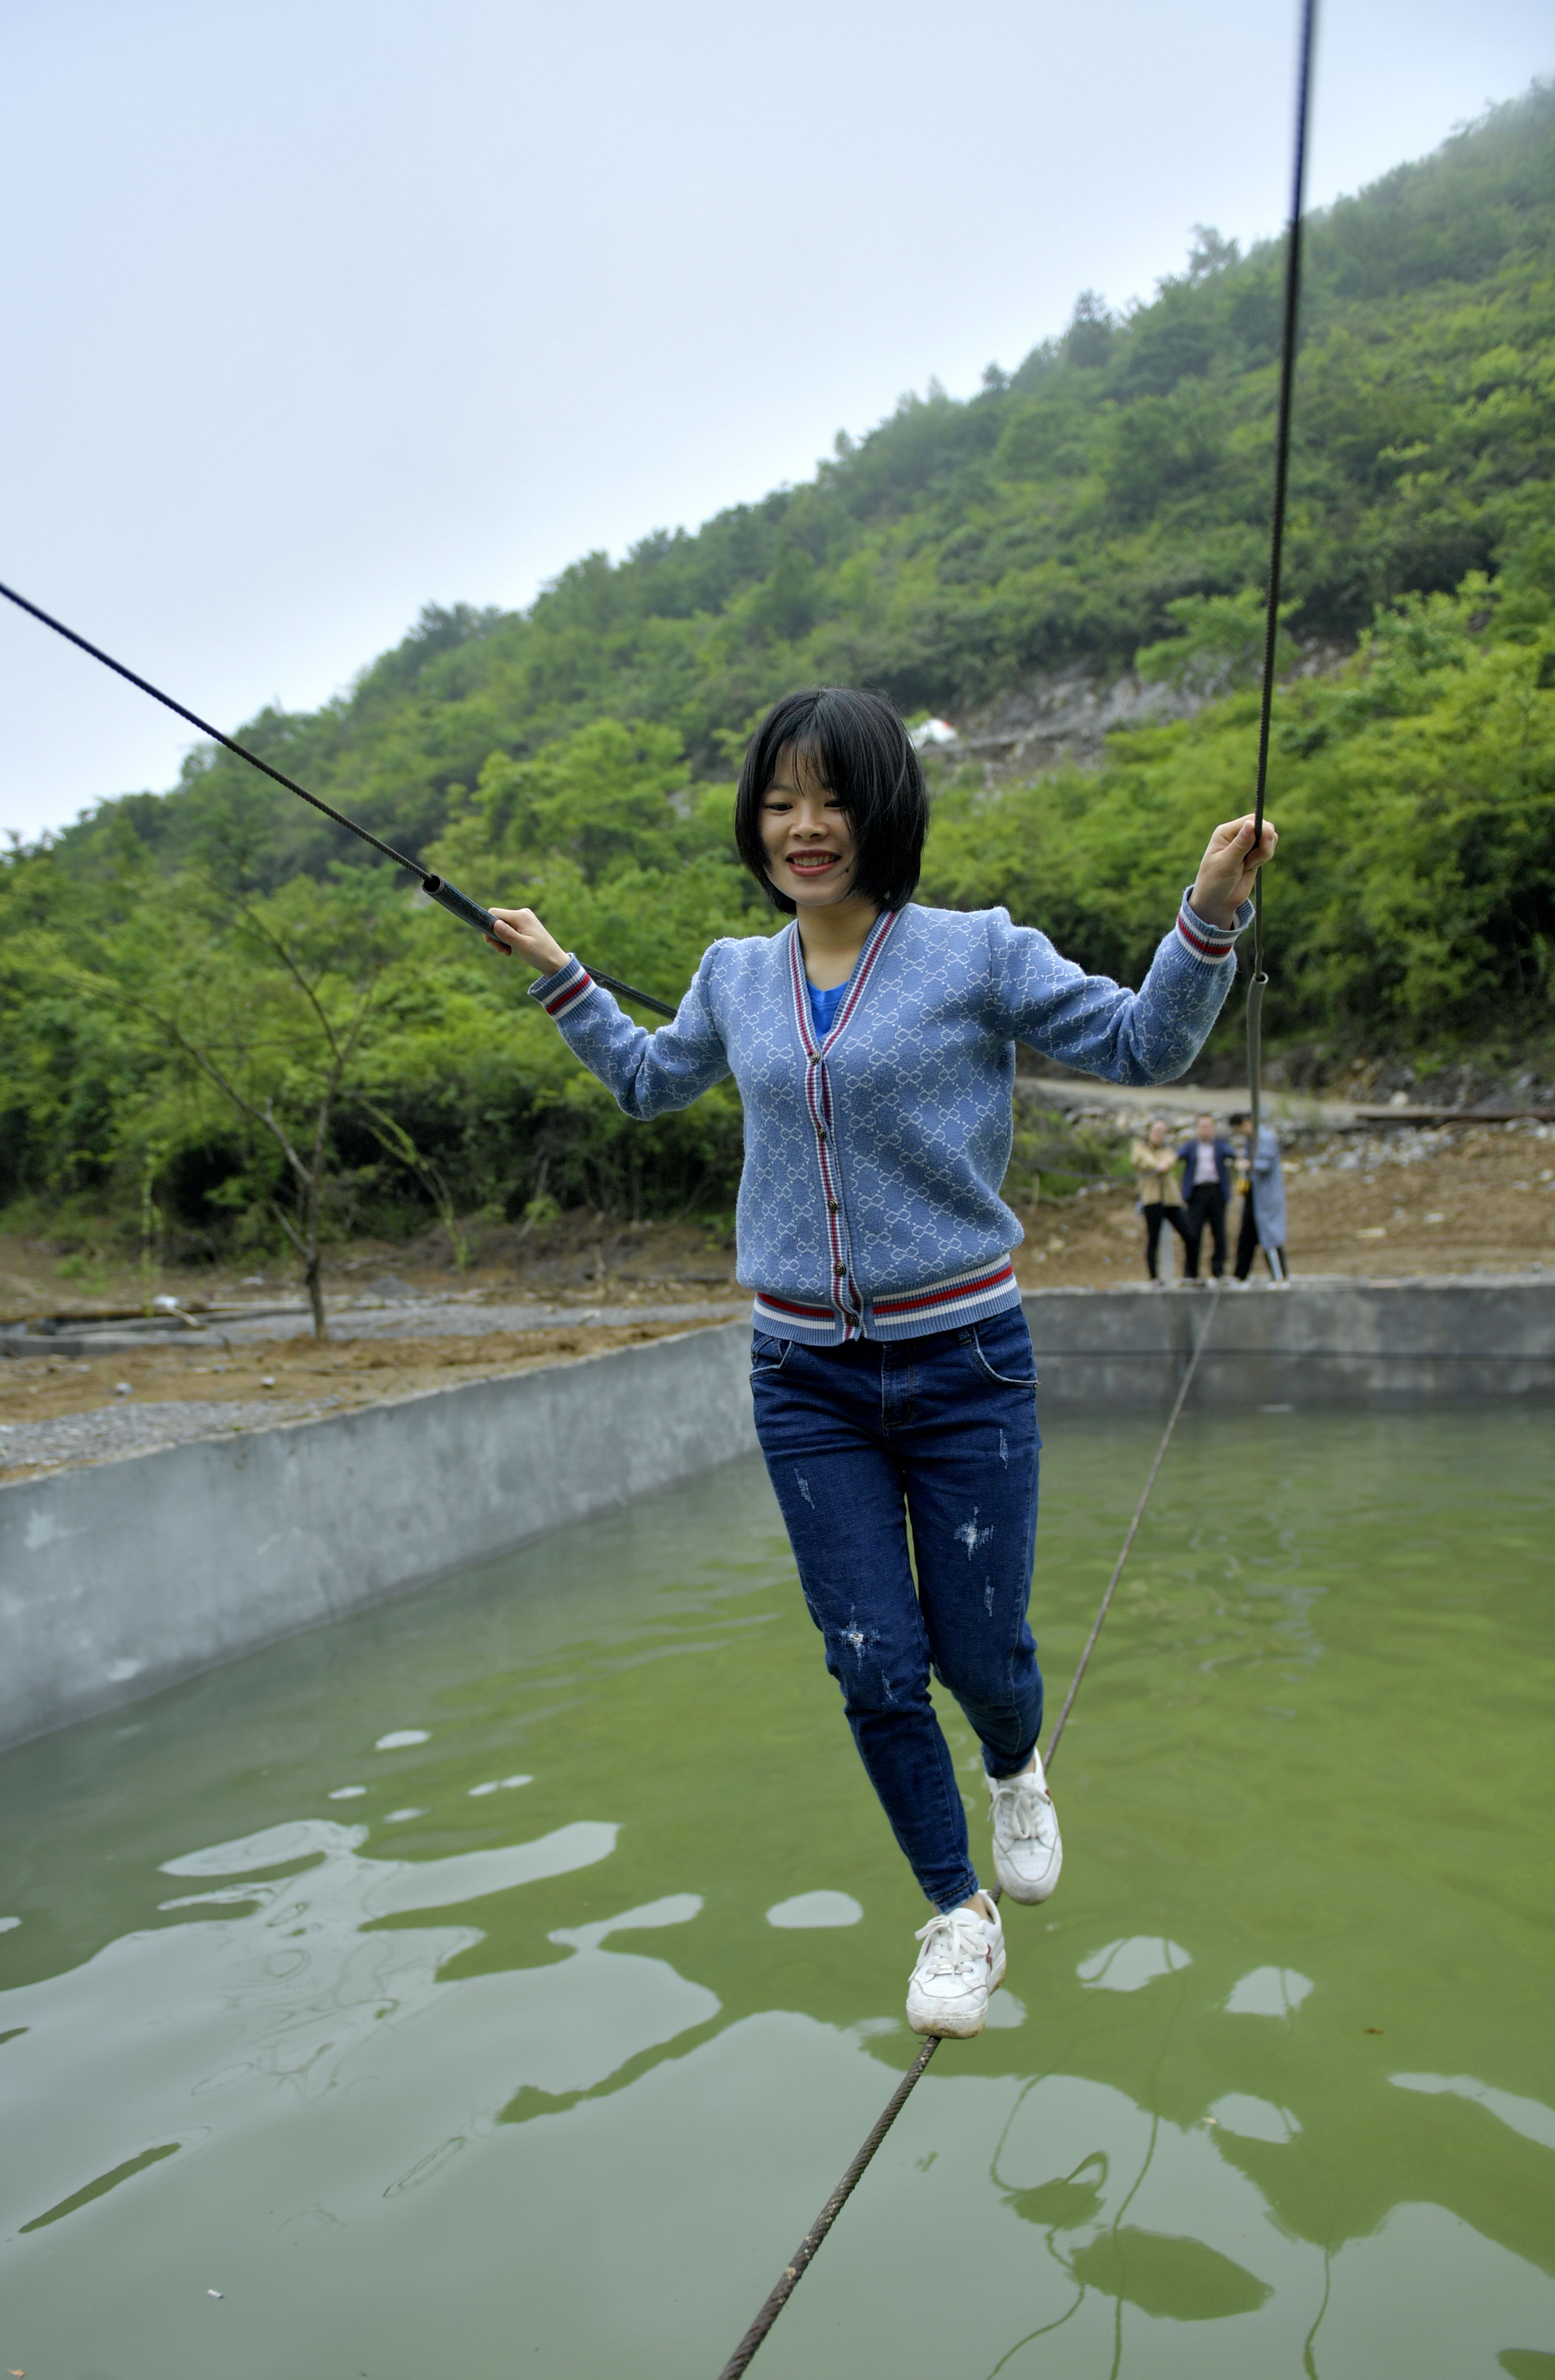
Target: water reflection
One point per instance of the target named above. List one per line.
(1129, 1965)
(295, 1990)
(1151, 2222)
(1269, 1991)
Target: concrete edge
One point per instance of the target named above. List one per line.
(120, 1578)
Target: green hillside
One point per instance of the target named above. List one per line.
(1108, 499)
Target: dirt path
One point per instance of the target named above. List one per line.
(161, 1396)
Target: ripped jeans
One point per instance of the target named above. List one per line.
(941, 1432)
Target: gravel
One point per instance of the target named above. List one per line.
(115, 1431)
(423, 1318)
(439, 1318)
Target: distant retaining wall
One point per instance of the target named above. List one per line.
(119, 1578)
(1319, 1343)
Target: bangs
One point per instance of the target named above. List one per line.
(855, 746)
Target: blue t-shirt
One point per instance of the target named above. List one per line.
(824, 1006)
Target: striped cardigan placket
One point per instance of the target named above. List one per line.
(817, 1100)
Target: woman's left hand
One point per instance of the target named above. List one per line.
(1227, 872)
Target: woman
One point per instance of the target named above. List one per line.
(1262, 1185)
(1152, 1163)
(873, 1046)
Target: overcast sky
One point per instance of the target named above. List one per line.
(319, 312)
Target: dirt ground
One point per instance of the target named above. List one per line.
(1378, 1205)
(355, 1373)
(577, 1262)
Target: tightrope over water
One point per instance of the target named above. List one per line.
(804, 2254)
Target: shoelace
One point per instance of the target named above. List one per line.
(1021, 1812)
(946, 1948)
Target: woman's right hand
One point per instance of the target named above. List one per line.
(520, 931)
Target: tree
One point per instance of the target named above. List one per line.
(1088, 340)
(273, 1003)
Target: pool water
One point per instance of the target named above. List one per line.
(498, 1981)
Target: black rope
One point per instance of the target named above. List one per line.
(437, 887)
(624, 991)
(1259, 980)
(205, 728)
(794, 2271)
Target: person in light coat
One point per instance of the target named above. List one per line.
(1263, 1205)
(1153, 1163)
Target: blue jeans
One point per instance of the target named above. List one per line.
(941, 1432)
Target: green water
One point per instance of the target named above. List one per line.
(452, 2077)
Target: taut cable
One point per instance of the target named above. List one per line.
(1259, 981)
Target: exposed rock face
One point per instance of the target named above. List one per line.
(1049, 719)
(1060, 716)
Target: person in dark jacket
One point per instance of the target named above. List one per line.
(1206, 1165)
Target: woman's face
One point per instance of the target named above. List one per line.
(806, 838)
(1158, 1135)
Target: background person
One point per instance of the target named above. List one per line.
(1263, 1205)
(1153, 1164)
(892, 1371)
(1205, 1161)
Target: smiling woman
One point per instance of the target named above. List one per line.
(831, 801)
(873, 1045)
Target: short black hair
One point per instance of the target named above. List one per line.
(856, 745)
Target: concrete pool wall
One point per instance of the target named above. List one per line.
(120, 1578)
(1396, 1343)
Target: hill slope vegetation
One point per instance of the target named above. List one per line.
(252, 986)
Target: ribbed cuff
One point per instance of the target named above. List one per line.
(559, 994)
(1211, 944)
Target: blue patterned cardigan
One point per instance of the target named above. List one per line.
(868, 1204)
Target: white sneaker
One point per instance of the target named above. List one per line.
(961, 1961)
(1027, 1850)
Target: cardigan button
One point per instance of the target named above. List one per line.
(833, 1207)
